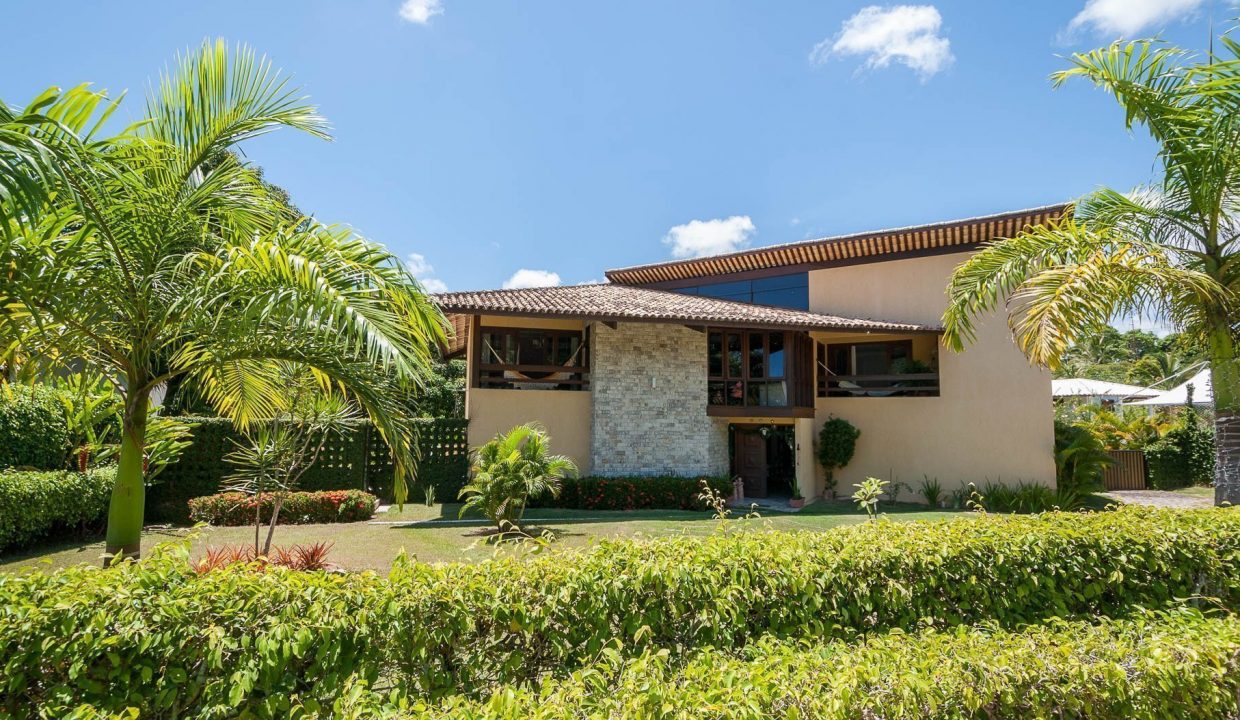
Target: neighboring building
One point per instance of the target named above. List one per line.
(731, 363)
(1203, 393)
(1108, 395)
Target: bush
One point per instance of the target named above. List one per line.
(154, 634)
(300, 508)
(837, 442)
(1157, 666)
(35, 505)
(665, 492)
(33, 431)
(1183, 457)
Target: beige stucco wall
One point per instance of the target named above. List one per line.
(565, 414)
(993, 418)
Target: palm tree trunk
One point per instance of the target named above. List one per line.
(126, 508)
(1225, 380)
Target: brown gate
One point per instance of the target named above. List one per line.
(1128, 472)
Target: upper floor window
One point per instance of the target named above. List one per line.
(532, 359)
(874, 369)
(747, 368)
(787, 291)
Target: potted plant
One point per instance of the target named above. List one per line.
(837, 441)
(797, 500)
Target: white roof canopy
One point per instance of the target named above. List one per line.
(1083, 387)
(1203, 392)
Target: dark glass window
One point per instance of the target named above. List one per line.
(754, 373)
(788, 291)
(714, 353)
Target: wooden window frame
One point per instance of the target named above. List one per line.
(796, 373)
(493, 375)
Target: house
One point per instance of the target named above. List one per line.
(1108, 395)
(731, 363)
(1203, 393)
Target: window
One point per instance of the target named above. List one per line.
(531, 359)
(753, 373)
(873, 369)
(787, 291)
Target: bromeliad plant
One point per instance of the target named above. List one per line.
(510, 470)
(158, 254)
(1171, 250)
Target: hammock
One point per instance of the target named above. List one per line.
(532, 379)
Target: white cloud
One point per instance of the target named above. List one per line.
(420, 11)
(424, 272)
(1129, 17)
(699, 238)
(905, 34)
(524, 278)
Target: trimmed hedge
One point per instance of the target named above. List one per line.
(299, 508)
(157, 636)
(33, 430)
(358, 461)
(35, 505)
(1155, 666)
(666, 492)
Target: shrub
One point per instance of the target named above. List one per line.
(35, 505)
(33, 430)
(1183, 457)
(1019, 498)
(512, 469)
(668, 492)
(837, 442)
(300, 508)
(156, 633)
(1157, 666)
(1080, 459)
(312, 556)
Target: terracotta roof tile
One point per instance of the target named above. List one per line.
(610, 302)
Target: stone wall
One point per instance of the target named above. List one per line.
(648, 383)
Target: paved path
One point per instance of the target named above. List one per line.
(1159, 498)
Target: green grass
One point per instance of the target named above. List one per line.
(1199, 491)
(433, 535)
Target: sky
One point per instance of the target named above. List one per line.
(515, 143)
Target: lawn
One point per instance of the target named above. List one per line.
(434, 534)
(1197, 491)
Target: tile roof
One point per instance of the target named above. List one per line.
(824, 252)
(612, 303)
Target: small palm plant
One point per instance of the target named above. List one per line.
(510, 470)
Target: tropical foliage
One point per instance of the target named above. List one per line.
(158, 253)
(510, 470)
(837, 442)
(159, 637)
(1168, 250)
(1135, 357)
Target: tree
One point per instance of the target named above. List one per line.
(157, 253)
(511, 469)
(1169, 250)
(278, 451)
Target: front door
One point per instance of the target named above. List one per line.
(751, 461)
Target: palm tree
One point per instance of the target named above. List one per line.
(1169, 250)
(158, 253)
(511, 469)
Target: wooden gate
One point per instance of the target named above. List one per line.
(1128, 472)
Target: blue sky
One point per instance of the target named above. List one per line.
(564, 138)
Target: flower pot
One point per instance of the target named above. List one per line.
(796, 503)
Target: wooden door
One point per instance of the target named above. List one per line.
(751, 462)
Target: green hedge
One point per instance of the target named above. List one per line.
(33, 431)
(1156, 666)
(35, 505)
(634, 493)
(156, 636)
(299, 508)
(1182, 457)
(358, 461)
